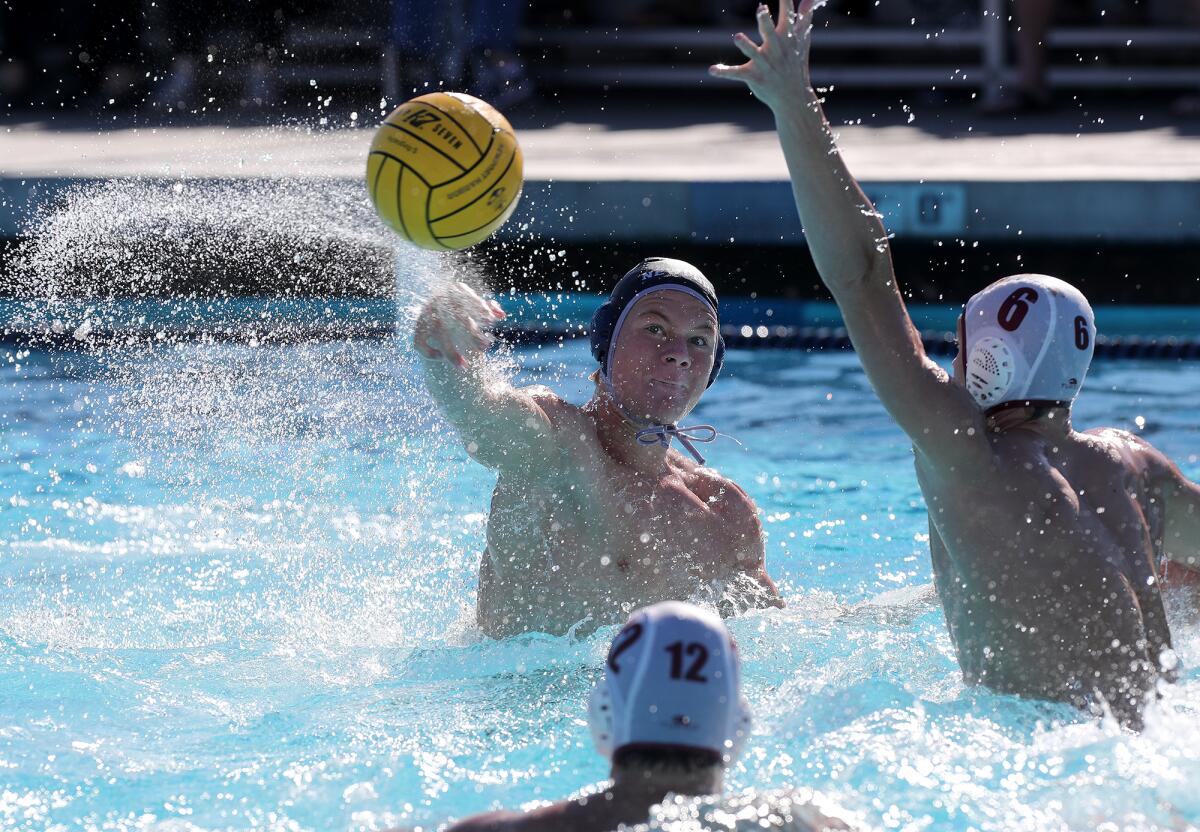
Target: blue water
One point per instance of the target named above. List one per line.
(237, 587)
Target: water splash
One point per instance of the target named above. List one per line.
(136, 237)
(252, 455)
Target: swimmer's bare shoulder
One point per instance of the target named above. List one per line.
(579, 815)
(1124, 456)
(739, 519)
(1178, 497)
(572, 814)
(561, 414)
(737, 510)
(565, 432)
(511, 429)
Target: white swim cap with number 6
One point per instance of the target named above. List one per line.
(671, 681)
(1027, 338)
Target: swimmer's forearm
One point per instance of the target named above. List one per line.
(477, 413)
(845, 235)
(849, 246)
(458, 391)
(502, 427)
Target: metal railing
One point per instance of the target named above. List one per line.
(974, 57)
(987, 68)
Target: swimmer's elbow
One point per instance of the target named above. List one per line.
(769, 597)
(870, 275)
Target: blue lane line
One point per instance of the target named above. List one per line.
(528, 312)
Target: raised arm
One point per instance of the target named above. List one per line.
(849, 245)
(502, 427)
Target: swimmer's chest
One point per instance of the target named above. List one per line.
(635, 520)
(664, 520)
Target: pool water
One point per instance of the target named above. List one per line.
(238, 586)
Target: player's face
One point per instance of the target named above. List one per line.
(663, 356)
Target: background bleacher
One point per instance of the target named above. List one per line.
(918, 44)
(937, 45)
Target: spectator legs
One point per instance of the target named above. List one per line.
(1033, 18)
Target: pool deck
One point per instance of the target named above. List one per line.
(680, 171)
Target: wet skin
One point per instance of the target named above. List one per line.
(607, 810)
(586, 524)
(628, 800)
(1044, 541)
(1045, 560)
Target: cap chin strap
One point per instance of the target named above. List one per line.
(650, 433)
(662, 435)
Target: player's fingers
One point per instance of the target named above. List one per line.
(459, 340)
(477, 336)
(746, 46)
(483, 314)
(497, 310)
(466, 334)
(445, 335)
(453, 353)
(787, 16)
(464, 318)
(737, 73)
(802, 20)
(766, 26)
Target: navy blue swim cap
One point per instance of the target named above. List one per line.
(649, 274)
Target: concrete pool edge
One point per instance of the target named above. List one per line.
(762, 211)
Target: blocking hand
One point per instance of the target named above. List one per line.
(777, 69)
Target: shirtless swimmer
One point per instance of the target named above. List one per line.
(594, 514)
(1047, 543)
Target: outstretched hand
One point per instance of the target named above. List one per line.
(777, 69)
(452, 324)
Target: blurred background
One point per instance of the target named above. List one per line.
(244, 55)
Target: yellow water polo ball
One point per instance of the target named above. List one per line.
(445, 170)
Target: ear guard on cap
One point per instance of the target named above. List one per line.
(651, 272)
(601, 723)
(991, 368)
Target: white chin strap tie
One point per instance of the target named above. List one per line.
(662, 435)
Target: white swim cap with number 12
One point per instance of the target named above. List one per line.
(1027, 338)
(671, 681)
